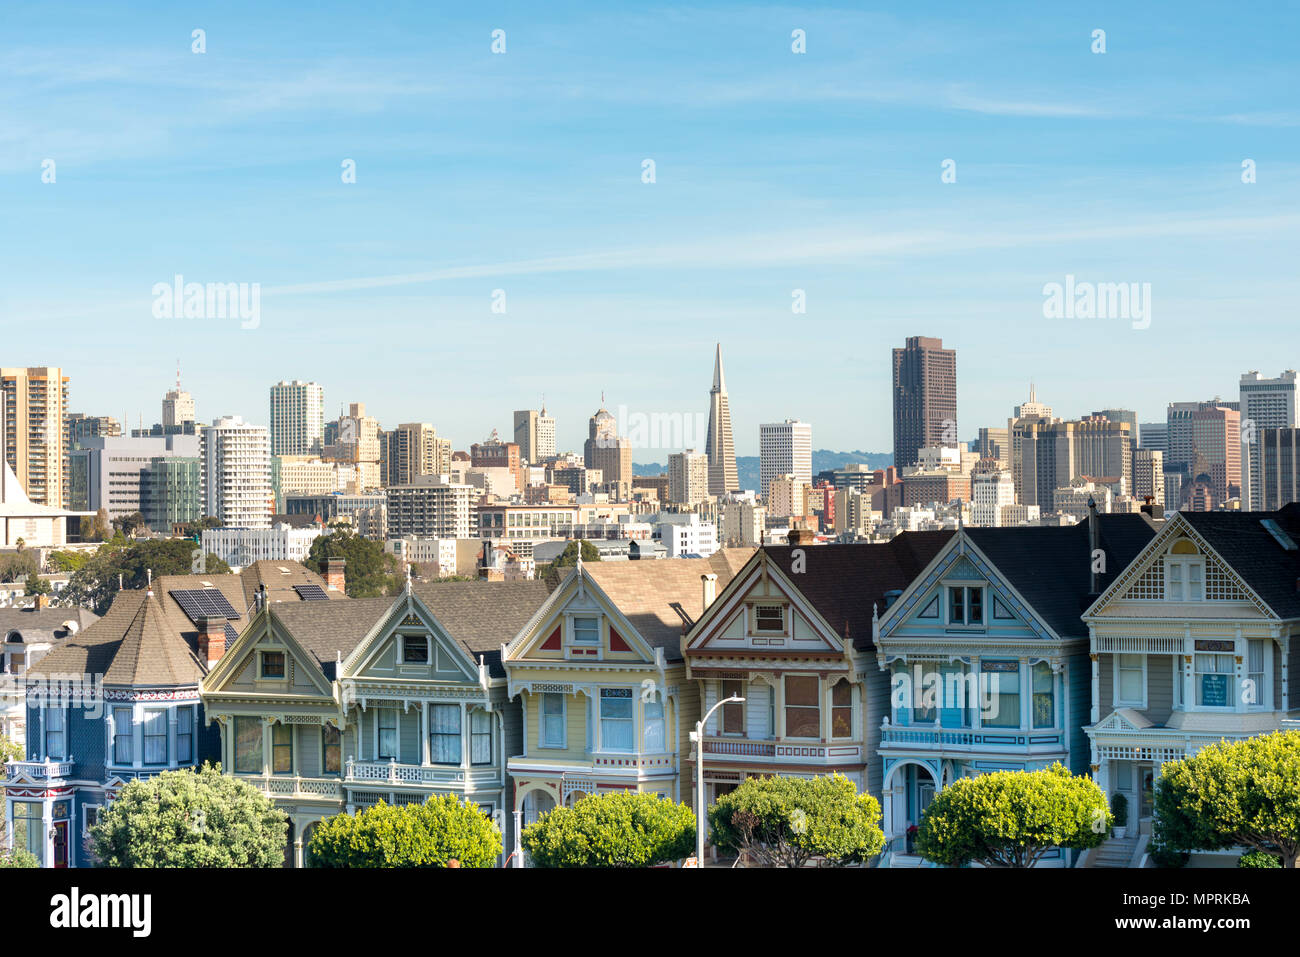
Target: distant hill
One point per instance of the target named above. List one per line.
(822, 459)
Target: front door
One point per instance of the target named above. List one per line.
(61, 844)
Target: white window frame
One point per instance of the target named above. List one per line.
(764, 632)
(1116, 699)
(646, 721)
(1184, 564)
(63, 731)
(145, 736)
(85, 824)
(1234, 687)
(564, 721)
(261, 664)
(586, 643)
(401, 651)
(194, 734)
(631, 720)
(1265, 702)
(397, 734)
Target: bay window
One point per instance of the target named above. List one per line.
(842, 709)
(55, 734)
(480, 737)
(123, 743)
(281, 748)
(184, 735)
(1256, 649)
(1130, 680)
(332, 746)
(1213, 680)
(616, 719)
(1003, 679)
(733, 715)
(248, 745)
(802, 708)
(155, 736)
(444, 733)
(387, 720)
(552, 723)
(29, 830)
(653, 734)
(1044, 700)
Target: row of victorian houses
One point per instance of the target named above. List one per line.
(1111, 646)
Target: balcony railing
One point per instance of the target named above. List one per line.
(287, 785)
(390, 772)
(972, 739)
(40, 770)
(783, 751)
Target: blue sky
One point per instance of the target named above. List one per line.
(774, 172)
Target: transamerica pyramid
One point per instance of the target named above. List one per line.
(721, 449)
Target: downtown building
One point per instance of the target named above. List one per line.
(719, 445)
(297, 418)
(411, 450)
(688, 477)
(33, 427)
(612, 455)
(535, 435)
(235, 469)
(1265, 404)
(785, 448)
(431, 507)
(925, 398)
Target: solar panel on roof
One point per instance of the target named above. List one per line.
(203, 603)
(231, 634)
(311, 593)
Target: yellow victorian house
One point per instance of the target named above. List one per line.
(599, 672)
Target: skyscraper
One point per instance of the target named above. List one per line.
(535, 435)
(177, 407)
(34, 418)
(235, 459)
(784, 448)
(720, 448)
(297, 418)
(413, 449)
(604, 450)
(1216, 441)
(1265, 404)
(925, 398)
(688, 477)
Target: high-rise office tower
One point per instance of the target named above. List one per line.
(719, 446)
(235, 468)
(1149, 475)
(1216, 443)
(535, 435)
(1050, 454)
(297, 418)
(1279, 472)
(412, 449)
(35, 424)
(1265, 404)
(784, 448)
(354, 439)
(688, 477)
(925, 398)
(177, 407)
(605, 450)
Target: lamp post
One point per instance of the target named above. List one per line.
(698, 737)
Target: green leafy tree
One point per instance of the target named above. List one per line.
(67, 561)
(412, 835)
(94, 584)
(1230, 794)
(10, 750)
(612, 830)
(190, 819)
(786, 822)
(569, 557)
(37, 585)
(370, 572)
(129, 524)
(1258, 859)
(18, 566)
(1012, 818)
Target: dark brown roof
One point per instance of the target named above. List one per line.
(643, 591)
(43, 625)
(484, 615)
(845, 582)
(328, 630)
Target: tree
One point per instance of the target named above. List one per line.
(18, 566)
(94, 584)
(67, 561)
(190, 819)
(569, 557)
(1232, 794)
(127, 524)
(370, 571)
(786, 822)
(1012, 818)
(431, 834)
(10, 750)
(612, 830)
(36, 585)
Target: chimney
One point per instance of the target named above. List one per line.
(212, 639)
(801, 536)
(334, 578)
(42, 602)
(1094, 545)
(710, 582)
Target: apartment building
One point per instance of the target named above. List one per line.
(33, 420)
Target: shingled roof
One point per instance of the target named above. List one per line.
(329, 630)
(644, 590)
(32, 625)
(846, 582)
(1051, 566)
(1255, 554)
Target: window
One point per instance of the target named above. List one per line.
(653, 734)
(842, 709)
(272, 664)
(616, 719)
(586, 630)
(89, 818)
(387, 720)
(332, 744)
(1044, 702)
(802, 714)
(1003, 678)
(248, 745)
(29, 831)
(184, 735)
(1258, 696)
(769, 618)
(444, 733)
(155, 736)
(1185, 579)
(733, 715)
(1130, 680)
(552, 720)
(965, 605)
(1213, 679)
(54, 733)
(415, 650)
(281, 748)
(480, 737)
(959, 695)
(123, 750)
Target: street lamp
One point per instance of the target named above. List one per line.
(698, 737)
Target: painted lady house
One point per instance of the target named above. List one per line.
(1195, 642)
(26, 635)
(335, 708)
(987, 657)
(119, 700)
(792, 635)
(602, 684)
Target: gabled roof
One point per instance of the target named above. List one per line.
(1051, 566)
(484, 615)
(644, 591)
(1254, 553)
(330, 630)
(131, 646)
(43, 625)
(845, 583)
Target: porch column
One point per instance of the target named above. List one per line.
(1283, 705)
(1026, 692)
(1240, 651)
(426, 729)
(1096, 687)
(464, 738)
(266, 747)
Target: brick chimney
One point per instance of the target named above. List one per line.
(212, 639)
(42, 602)
(801, 536)
(334, 579)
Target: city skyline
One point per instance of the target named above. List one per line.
(828, 179)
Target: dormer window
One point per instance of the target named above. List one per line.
(769, 618)
(415, 650)
(965, 605)
(272, 664)
(586, 630)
